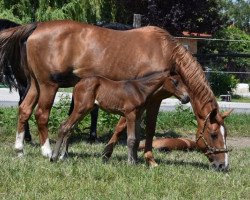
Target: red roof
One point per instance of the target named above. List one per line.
(188, 34)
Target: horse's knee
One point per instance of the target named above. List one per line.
(24, 113)
(41, 117)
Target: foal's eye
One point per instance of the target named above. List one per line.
(175, 82)
(214, 136)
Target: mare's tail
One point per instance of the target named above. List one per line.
(13, 55)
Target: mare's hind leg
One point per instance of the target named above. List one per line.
(25, 111)
(151, 117)
(45, 102)
(108, 150)
(22, 93)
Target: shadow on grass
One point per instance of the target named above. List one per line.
(141, 161)
(79, 136)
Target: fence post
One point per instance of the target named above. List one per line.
(137, 21)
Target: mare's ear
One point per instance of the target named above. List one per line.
(227, 113)
(213, 113)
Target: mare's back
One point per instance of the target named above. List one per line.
(88, 50)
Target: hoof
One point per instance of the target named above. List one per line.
(105, 158)
(153, 165)
(53, 159)
(132, 162)
(28, 139)
(63, 156)
(107, 152)
(19, 153)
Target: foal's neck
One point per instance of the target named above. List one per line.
(151, 83)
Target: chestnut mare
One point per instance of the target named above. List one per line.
(59, 53)
(11, 81)
(127, 98)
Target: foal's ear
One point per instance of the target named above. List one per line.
(227, 113)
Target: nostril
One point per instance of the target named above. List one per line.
(186, 99)
(214, 166)
(221, 166)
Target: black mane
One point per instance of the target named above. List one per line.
(5, 23)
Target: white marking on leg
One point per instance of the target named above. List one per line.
(46, 149)
(222, 130)
(96, 102)
(19, 141)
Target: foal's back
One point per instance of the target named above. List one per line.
(119, 96)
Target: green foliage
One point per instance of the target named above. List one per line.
(238, 13)
(26, 11)
(232, 64)
(107, 121)
(222, 83)
(182, 119)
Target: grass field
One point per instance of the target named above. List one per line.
(180, 175)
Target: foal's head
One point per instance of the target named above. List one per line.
(176, 87)
(211, 139)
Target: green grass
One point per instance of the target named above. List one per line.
(180, 175)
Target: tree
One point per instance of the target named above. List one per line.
(233, 41)
(175, 15)
(26, 11)
(238, 13)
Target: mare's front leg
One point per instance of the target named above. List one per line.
(108, 150)
(133, 139)
(152, 110)
(24, 113)
(45, 102)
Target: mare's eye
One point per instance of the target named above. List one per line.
(175, 82)
(214, 136)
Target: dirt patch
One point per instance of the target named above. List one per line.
(238, 142)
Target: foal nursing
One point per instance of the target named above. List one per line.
(127, 98)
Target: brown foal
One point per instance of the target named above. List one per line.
(173, 86)
(127, 98)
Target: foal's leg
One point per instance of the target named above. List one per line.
(151, 117)
(94, 116)
(108, 150)
(25, 111)
(45, 102)
(133, 126)
(81, 109)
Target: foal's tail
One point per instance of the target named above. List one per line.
(13, 57)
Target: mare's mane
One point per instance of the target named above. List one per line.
(189, 69)
(193, 75)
